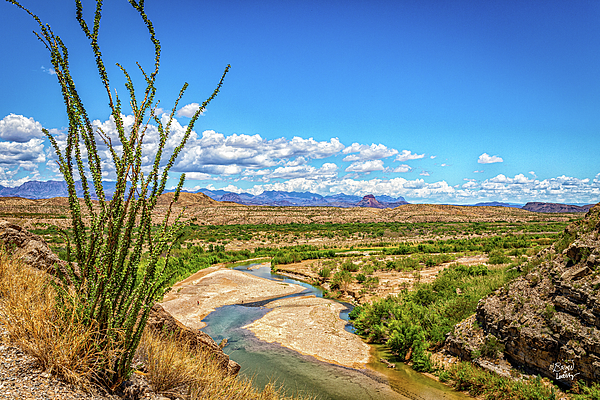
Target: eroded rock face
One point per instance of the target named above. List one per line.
(34, 251)
(28, 247)
(549, 319)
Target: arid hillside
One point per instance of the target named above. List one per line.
(204, 211)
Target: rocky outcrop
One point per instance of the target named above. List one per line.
(28, 247)
(164, 323)
(548, 320)
(34, 251)
(370, 201)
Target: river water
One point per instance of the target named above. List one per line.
(301, 374)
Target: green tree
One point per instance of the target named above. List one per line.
(106, 280)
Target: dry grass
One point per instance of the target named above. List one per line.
(175, 368)
(64, 347)
(28, 313)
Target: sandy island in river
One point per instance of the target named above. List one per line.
(311, 325)
(307, 324)
(200, 294)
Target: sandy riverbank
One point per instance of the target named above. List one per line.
(306, 324)
(312, 326)
(200, 294)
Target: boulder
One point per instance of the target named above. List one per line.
(28, 247)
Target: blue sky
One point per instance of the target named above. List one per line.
(435, 101)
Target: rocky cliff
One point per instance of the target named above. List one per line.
(548, 320)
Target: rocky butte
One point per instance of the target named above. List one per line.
(547, 320)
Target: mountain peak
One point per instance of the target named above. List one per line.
(370, 201)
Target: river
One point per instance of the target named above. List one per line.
(300, 374)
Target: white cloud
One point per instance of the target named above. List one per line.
(402, 168)
(189, 110)
(49, 71)
(432, 157)
(444, 165)
(366, 166)
(252, 151)
(198, 176)
(485, 158)
(424, 173)
(471, 184)
(327, 170)
(478, 172)
(15, 153)
(373, 152)
(17, 128)
(408, 155)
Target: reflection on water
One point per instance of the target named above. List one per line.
(300, 374)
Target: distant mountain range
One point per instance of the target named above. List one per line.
(556, 208)
(303, 199)
(49, 189)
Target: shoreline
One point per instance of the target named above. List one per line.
(192, 299)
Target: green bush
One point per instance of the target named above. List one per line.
(421, 318)
(114, 288)
(325, 272)
(498, 257)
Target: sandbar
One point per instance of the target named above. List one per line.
(311, 325)
(200, 294)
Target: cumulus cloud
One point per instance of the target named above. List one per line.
(406, 155)
(363, 167)
(15, 153)
(252, 151)
(326, 171)
(198, 176)
(372, 152)
(402, 168)
(424, 173)
(189, 110)
(17, 128)
(562, 189)
(485, 158)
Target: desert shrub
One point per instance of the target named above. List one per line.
(421, 318)
(341, 280)
(464, 376)
(497, 256)
(549, 312)
(583, 392)
(360, 278)
(104, 262)
(350, 266)
(325, 272)
(491, 347)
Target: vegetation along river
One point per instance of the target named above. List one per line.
(304, 374)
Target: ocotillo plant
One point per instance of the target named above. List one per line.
(106, 279)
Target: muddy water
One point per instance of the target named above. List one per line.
(301, 374)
